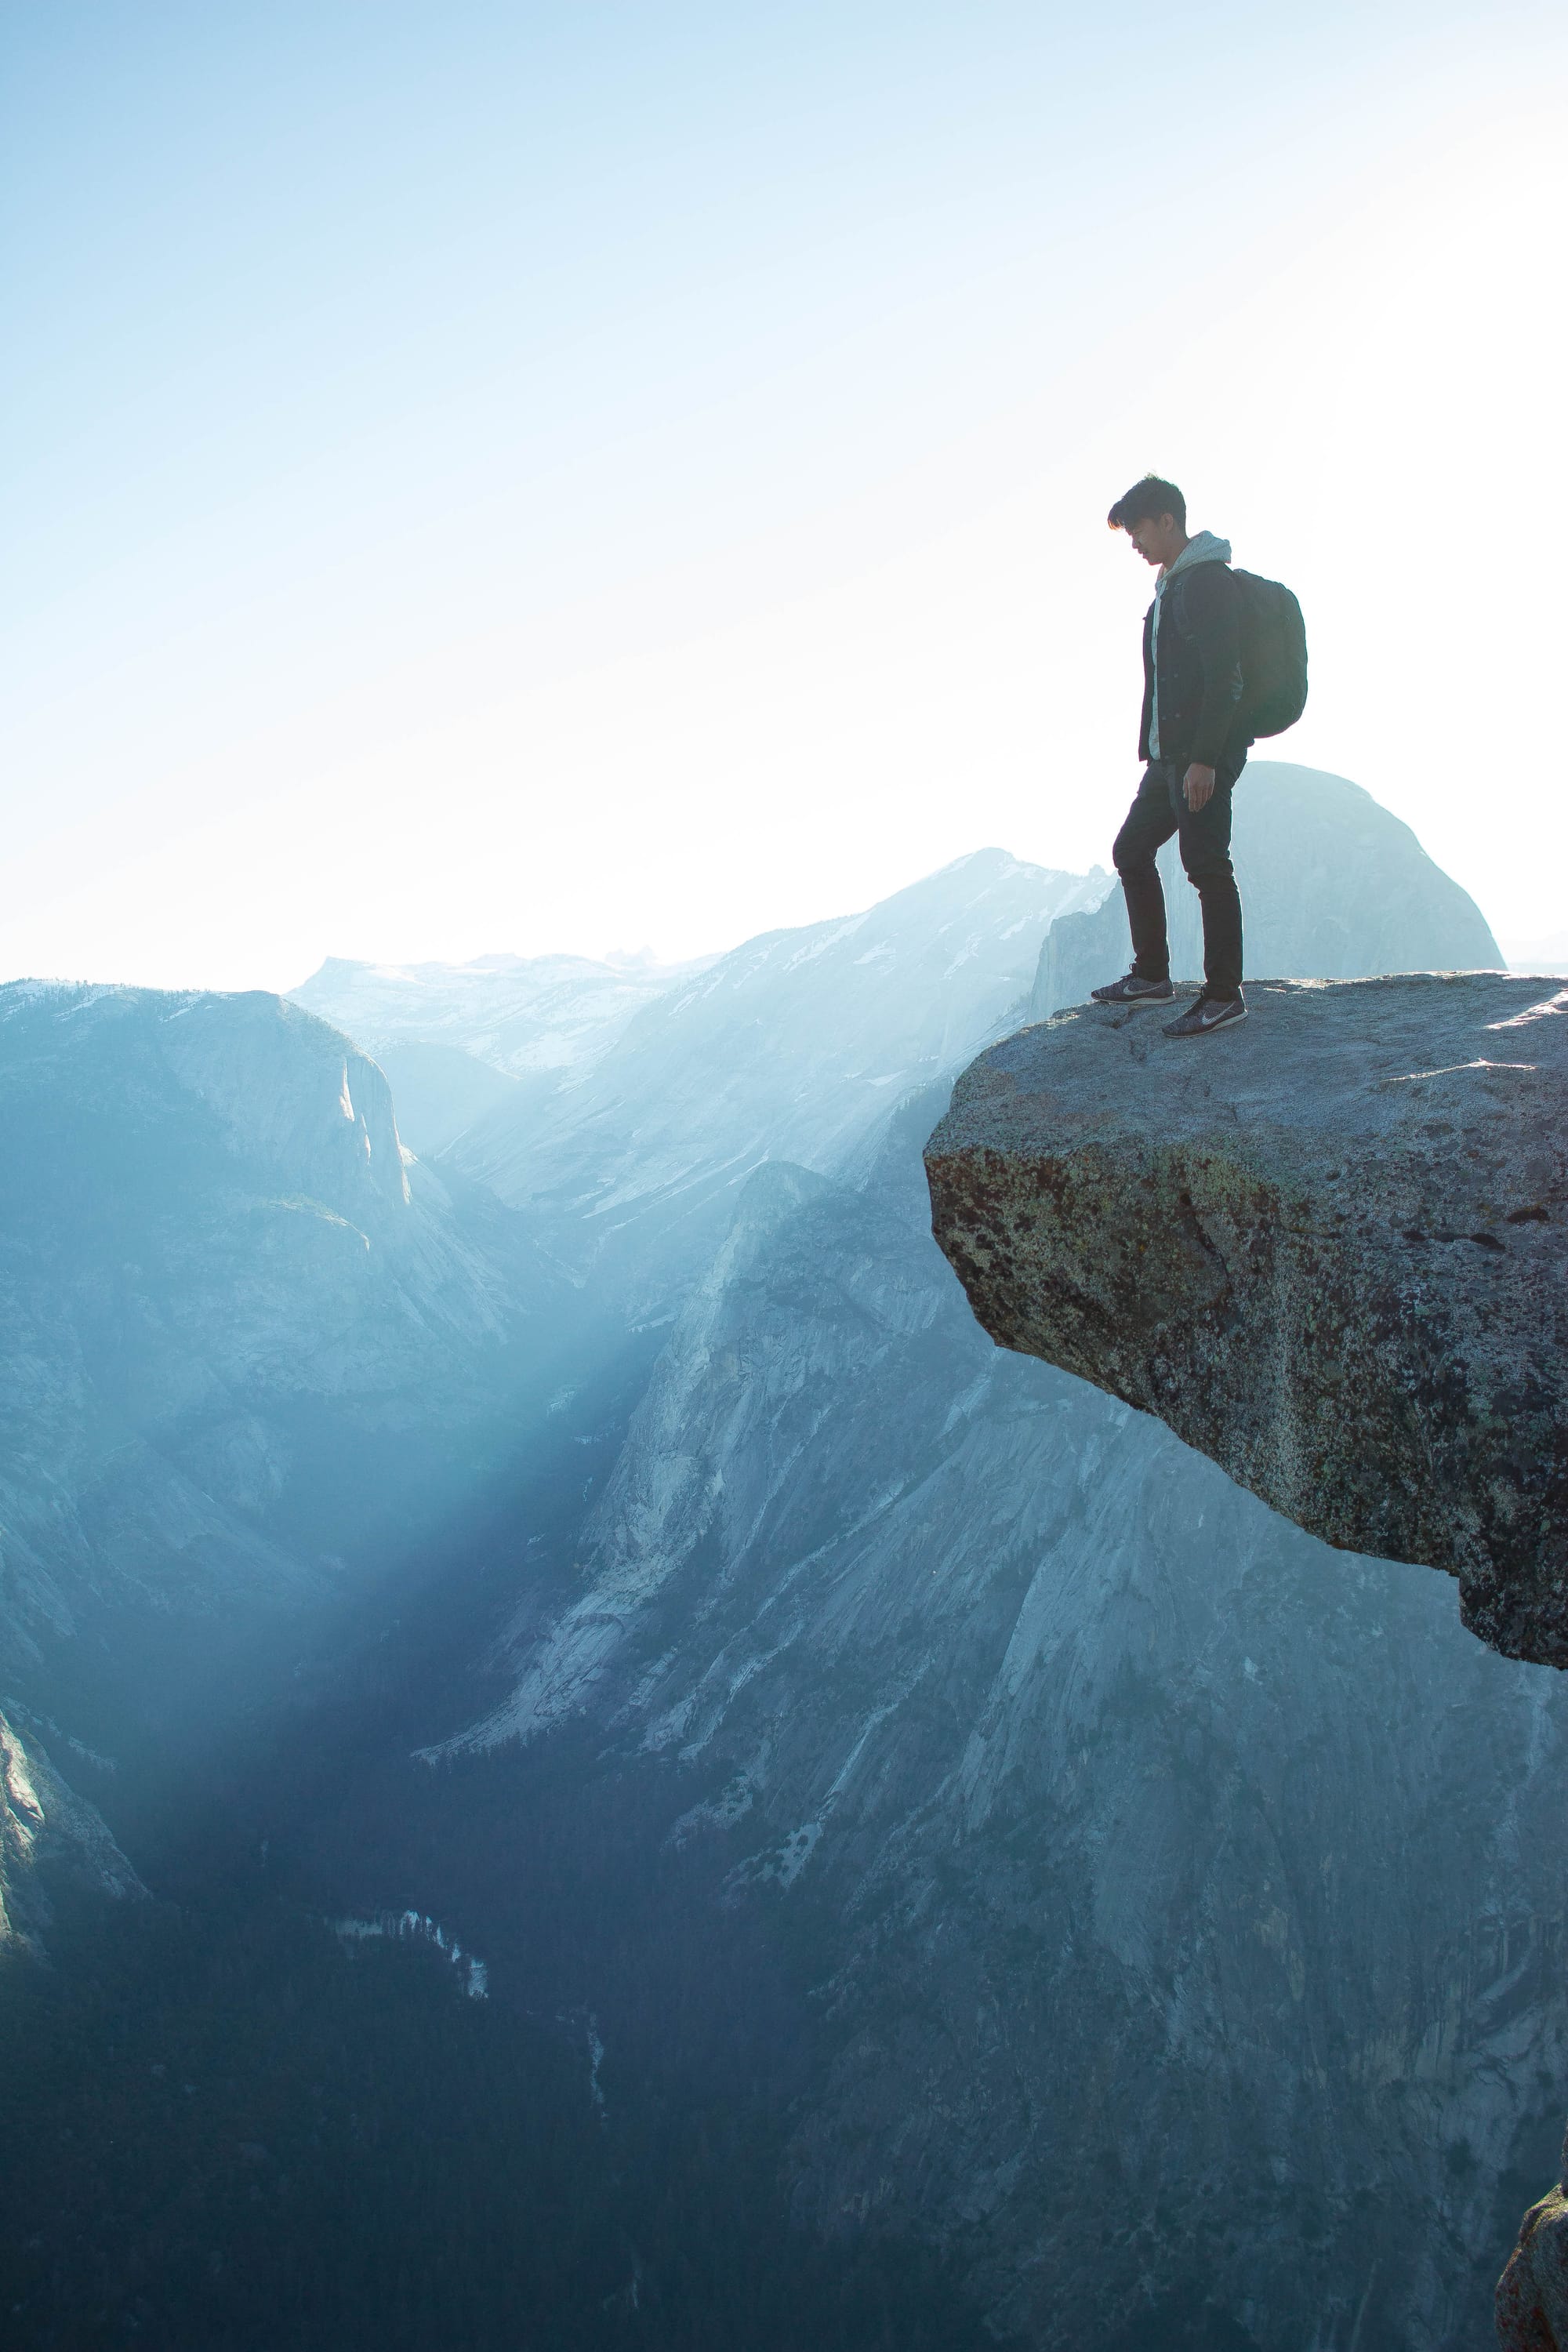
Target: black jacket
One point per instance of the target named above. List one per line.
(1200, 669)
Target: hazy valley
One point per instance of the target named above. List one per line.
(947, 1867)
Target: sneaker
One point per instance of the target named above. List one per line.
(1132, 990)
(1208, 1012)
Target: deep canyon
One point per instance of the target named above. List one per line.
(948, 1865)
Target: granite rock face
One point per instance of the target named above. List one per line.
(241, 1335)
(1533, 2293)
(1332, 1258)
(49, 1835)
(1181, 1900)
(1329, 1248)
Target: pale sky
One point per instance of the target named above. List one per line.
(512, 479)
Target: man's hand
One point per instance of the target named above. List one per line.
(1199, 784)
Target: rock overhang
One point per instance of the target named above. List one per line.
(1328, 1246)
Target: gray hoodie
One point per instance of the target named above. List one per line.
(1202, 548)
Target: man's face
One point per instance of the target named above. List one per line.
(1157, 539)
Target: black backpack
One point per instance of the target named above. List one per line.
(1273, 655)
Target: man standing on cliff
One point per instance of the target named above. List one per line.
(1193, 741)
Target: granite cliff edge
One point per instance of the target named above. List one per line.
(1329, 1248)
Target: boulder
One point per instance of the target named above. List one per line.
(1329, 1247)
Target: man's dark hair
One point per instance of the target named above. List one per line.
(1146, 501)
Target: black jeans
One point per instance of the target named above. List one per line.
(1161, 810)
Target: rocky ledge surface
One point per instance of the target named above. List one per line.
(1328, 1246)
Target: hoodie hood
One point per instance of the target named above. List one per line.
(1202, 548)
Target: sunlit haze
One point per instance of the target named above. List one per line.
(515, 478)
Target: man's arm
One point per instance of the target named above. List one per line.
(1210, 620)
